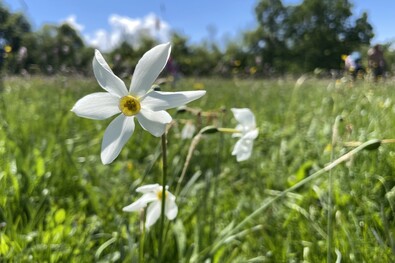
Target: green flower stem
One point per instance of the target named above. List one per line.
(228, 130)
(216, 245)
(164, 175)
(388, 141)
(142, 239)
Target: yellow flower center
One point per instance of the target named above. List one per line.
(129, 105)
(159, 194)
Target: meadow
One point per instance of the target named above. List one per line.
(59, 203)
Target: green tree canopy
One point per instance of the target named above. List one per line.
(313, 34)
(13, 27)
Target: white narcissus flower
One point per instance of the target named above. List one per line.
(247, 133)
(140, 101)
(153, 194)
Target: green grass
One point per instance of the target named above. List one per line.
(58, 203)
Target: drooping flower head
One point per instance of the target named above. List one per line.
(247, 133)
(139, 101)
(153, 194)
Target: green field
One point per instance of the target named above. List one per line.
(59, 203)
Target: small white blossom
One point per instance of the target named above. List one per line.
(153, 194)
(139, 101)
(247, 133)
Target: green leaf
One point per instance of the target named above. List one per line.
(40, 164)
(302, 173)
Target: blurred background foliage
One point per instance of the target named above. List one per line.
(287, 39)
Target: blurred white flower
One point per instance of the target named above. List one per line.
(140, 101)
(153, 194)
(247, 133)
(188, 131)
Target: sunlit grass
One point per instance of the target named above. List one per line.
(58, 203)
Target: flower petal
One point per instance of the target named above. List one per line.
(157, 100)
(245, 117)
(153, 213)
(171, 209)
(251, 135)
(148, 188)
(141, 202)
(115, 137)
(148, 69)
(243, 149)
(106, 78)
(153, 121)
(97, 106)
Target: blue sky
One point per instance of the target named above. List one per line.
(105, 22)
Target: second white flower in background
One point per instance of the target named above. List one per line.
(247, 133)
(153, 194)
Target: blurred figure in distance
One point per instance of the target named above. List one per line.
(376, 61)
(353, 64)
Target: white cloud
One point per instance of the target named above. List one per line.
(100, 38)
(128, 29)
(72, 21)
(123, 28)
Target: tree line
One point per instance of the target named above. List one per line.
(287, 39)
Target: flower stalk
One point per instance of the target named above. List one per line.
(164, 175)
(228, 130)
(142, 236)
